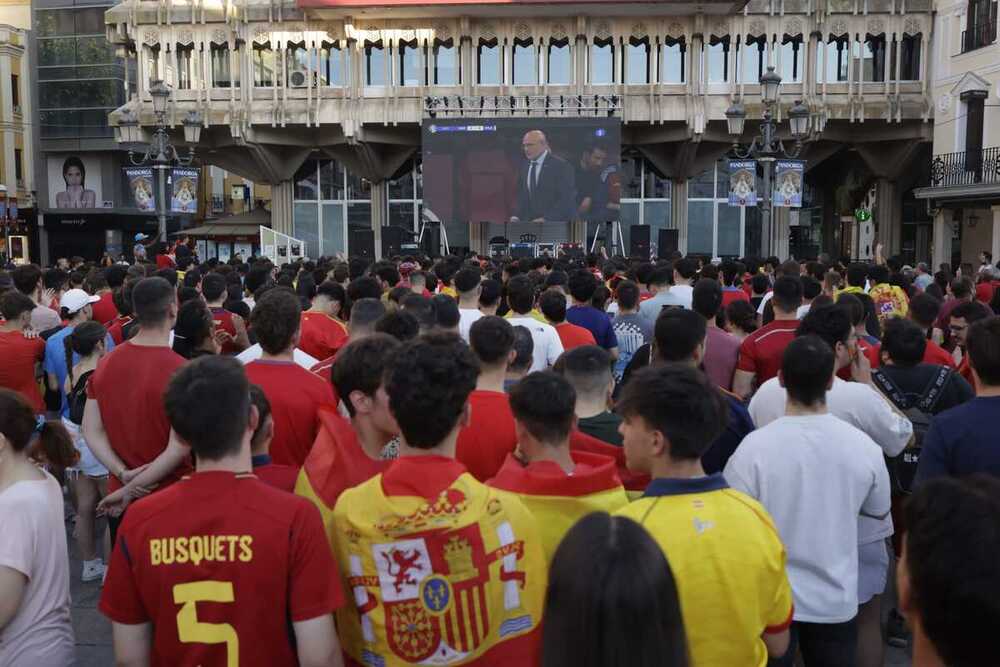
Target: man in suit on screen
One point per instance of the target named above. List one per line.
(546, 187)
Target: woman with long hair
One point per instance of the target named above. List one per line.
(741, 319)
(34, 562)
(89, 478)
(194, 334)
(612, 600)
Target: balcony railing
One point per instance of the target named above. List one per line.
(982, 33)
(966, 168)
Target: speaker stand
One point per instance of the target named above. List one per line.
(424, 224)
(613, 231)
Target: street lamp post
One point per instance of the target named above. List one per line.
(160, 152)
(766, 147)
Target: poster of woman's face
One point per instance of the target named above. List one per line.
(74, 181)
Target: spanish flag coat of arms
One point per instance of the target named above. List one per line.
(443, 569)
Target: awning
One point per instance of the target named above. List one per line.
(243, 224)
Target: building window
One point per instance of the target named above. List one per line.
(263, 66)
(602, 62)
(754, 58)
(446, 69)
(333, 64)
(981, 24)
(673, 61)
(908, 49)
(974, 101)
(525, 63)
(873, 58)
(488, 73)
(18, 166)
(15, 92)
(560, 63)
(411, 64)
(296, 66)
(221, 74)
(717, 59)
(714, 227)
(375, 64)
(837, 55)
(637, 61)
(185, 54)
(791, 58)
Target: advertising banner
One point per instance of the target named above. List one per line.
(74, 181)
(140, 187)
(184, 190)
(788, 183)
(742, 182)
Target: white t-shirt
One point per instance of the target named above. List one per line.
(34, 544)
(815, 475)
(548, 345)
(255, 352)
(466, 318)
(862, 407)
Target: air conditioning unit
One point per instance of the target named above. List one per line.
(298, 77)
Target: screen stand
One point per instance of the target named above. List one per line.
(613, 232)
(424, 224)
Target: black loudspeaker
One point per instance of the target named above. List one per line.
(393, 239)
(361, 243)
(639, 241)
(668, 242)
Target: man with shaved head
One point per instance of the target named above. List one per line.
(546, 189)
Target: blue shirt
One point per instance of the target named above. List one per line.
(55, 361)
(962, 441)
(596, 322)
(739, 426)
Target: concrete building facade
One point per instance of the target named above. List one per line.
(17, 184)
(323, 100)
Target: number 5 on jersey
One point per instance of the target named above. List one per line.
(190, 630)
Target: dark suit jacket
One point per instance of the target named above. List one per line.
(554, 196)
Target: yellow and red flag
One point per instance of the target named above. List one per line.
(558, 500)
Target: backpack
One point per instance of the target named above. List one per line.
(903, 468)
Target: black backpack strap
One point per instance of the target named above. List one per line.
(889, 388)
(932, 394)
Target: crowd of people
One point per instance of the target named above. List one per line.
(552, 461)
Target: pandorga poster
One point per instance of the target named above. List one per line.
(184, 190)
(140, 185)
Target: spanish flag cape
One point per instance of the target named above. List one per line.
(335, 463)
(558, 500)
(635, 482)
(443, 570)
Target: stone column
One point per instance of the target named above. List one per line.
(380, 213)
(995, 246)
(779, 231)
(888, 215)
(942, 233)
(679, 213)
(281, 207)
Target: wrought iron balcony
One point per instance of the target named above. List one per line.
(966, 168)
(984, 32)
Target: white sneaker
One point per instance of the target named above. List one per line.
(93, 570)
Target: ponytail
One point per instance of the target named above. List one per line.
(54, 445)
(20, 426)
(68, 351)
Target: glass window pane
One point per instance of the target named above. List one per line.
(446, 65)
(402, 187)
(375, 65)
(716, 55)
(306, 186)
(657, 215)
(560, 65)
(56, 52)
(752, 56)
(94, 51)
(722, 179)
(357, 187)
(703, 185)
(672, 65)
(700, 223)
(331, 179)
(401, 214)
(220, 67)
(525, 65)
(630, 218)
(791, 62)
(489, 65)
(359, 215)
(333, 65)
(263, 67)
(602, 67)
(305, 227)
(631, 178)
(638, 63)
(656, 187)
(729, 230)
(333, 229)
(411, 66)
(89, 21)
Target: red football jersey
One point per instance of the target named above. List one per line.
(730, 294)
(760, 352)
(220, 564)
(273, 474)
(295, 395)
(129, 384)
(17, 371)
(484, 444)
(104, 310)
(321, 335)
(116, 328)
(223, 319)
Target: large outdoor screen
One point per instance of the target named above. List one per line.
(521, 170)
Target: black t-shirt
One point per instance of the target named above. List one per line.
(603, 427)
(913, 381)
